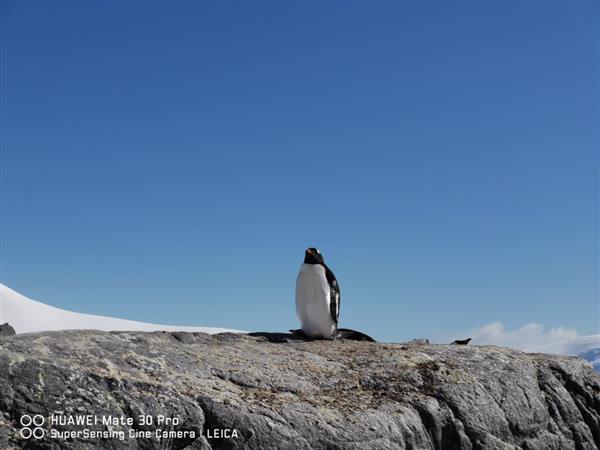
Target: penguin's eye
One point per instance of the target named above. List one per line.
(318, 252)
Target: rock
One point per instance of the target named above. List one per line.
(278, 391)
(6, 330)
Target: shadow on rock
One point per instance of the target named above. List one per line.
(299, 335)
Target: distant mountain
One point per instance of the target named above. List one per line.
(586, 347)
(26, 316)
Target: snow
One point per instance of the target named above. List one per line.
(586, 347)
(27, 316)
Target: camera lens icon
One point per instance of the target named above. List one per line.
(36, 421)
(26, 420)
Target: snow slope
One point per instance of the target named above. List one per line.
(26, 316)
(586, 347)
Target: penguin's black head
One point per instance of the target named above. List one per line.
(313, 256)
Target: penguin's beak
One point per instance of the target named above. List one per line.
(309, 251)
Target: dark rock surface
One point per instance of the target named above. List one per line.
(280, 392)
(7, 330)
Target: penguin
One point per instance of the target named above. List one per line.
(317, 297)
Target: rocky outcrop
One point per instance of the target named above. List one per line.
(6, 330)
(273, 391)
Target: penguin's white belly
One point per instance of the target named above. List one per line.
(312, 301)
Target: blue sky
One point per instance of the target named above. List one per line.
(171, 162)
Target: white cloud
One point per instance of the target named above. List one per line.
(528, 336)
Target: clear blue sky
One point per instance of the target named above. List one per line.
(171, 162)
